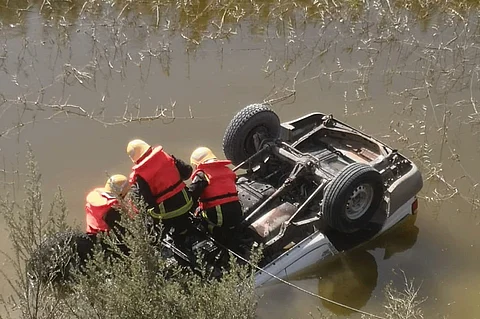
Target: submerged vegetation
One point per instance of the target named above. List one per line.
(426, 52)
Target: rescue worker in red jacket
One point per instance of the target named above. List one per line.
(101, 208)
(158, 178)
(213, 185)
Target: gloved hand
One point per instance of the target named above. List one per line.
(197, 212)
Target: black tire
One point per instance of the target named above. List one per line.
(238, 142)
(338, 210)
(56, 256)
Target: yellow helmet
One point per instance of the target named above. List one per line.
(201, 155)
(136, 148)
(118, 185)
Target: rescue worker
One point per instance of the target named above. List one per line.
(158, 178)
(101, 208)
(213, 185)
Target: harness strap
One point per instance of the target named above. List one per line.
(212, 225)
(163, 214)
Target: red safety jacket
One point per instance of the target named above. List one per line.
(98, 204)
(221, 187)
(159, 171)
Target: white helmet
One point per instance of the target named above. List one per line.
(136, 148)
(118, 185)
(201, 155)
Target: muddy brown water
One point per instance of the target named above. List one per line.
(383, 93)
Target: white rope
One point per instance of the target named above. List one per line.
(300, 288)
(320, 297)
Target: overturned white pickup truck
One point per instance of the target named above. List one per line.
(314, 186)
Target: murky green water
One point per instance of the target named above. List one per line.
(412, 84)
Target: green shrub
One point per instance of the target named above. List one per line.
(142, 284)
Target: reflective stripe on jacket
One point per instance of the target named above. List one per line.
(163, 214)
(97, 206)
(221, 187)
(159, 171)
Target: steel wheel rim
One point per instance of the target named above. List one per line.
(359, 201)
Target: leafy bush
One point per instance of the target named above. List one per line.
(142, 284)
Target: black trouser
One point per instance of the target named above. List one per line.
(222, 221)
(182, 224)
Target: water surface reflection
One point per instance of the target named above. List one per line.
(352, 277)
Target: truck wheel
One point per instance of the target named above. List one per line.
(352, 198)
(239, 140)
